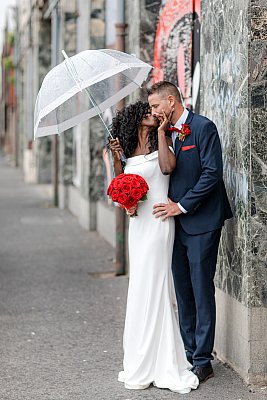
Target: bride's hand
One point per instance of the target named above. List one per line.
(165, 121)
(116, 149)
(132, 210)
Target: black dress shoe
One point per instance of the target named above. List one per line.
(203, 373)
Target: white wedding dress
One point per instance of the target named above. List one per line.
(153, 347)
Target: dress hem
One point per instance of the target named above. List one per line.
(183, 390)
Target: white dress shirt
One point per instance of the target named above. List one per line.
(178, 125)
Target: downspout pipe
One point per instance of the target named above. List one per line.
(120, 250)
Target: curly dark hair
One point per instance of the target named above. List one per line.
(125, 127)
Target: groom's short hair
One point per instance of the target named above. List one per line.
(166, 88)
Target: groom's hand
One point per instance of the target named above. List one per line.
(166, 210)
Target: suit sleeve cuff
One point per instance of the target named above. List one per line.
(182, 208)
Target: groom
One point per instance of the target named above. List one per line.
(199, 203)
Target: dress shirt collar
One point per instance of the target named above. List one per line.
(182, 119)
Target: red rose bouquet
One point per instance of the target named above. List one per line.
(127, 190)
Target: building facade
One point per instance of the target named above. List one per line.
(8, 138)
(215, 51)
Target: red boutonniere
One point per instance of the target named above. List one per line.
(182, 133)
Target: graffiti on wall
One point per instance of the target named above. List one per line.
(176, 44)
(170, 41)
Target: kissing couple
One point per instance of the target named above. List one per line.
(173, 240)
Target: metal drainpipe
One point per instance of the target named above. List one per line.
(53, 13)
(55, 21)
(17, 100)
(120, 251)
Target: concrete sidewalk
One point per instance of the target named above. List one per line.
(61, 323)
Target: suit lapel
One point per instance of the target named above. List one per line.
(178, 143)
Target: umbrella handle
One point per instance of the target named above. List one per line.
(122, 157)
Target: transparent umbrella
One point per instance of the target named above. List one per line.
(83, 86)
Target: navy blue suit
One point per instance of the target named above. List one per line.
(197, 184)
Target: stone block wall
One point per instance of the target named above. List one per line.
(233, 95)
(258, 128)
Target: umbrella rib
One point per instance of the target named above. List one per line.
(97, 106)
(120, 71)
(91, 98)
(73, 72)
(69, 66)
(122, 156)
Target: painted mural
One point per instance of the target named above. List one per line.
(176, 44)
(169, 39)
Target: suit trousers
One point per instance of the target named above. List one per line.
(193, 267)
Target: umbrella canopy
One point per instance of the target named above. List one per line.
(83, 86)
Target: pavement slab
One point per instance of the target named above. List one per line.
(62, 310)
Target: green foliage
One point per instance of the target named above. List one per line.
(11, 80)
(11, 39)
(8, 63)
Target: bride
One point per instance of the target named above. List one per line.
(153, 349)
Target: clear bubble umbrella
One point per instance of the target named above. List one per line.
(83, 86)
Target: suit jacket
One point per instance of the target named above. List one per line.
(197, 181)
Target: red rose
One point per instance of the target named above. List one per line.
(127, 178)
(137, 194)
(186, 129)
(126, 188)
(119, 178)
(135, 183)
(144, 188)
(145, 185)
(122, 199)
(144, 191)
(115, 195)
(117, 184)
(131, 201)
